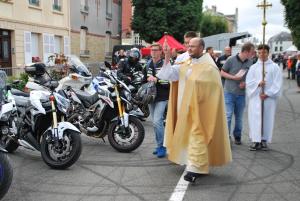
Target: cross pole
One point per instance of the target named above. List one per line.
(264, 5)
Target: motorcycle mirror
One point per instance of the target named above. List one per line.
(107, 64)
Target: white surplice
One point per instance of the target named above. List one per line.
(273, 78)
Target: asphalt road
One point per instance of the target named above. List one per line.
(104, 174)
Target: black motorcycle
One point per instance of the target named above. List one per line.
(107, 112)
(6, 173)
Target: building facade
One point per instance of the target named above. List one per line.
(129, 37)
(95, 28)
(232, 20)
(280, 42)
(32, 30)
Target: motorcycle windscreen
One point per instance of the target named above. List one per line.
(79, 67)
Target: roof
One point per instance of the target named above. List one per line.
(220, 41)
(282, 36)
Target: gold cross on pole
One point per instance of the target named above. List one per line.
(264, 5)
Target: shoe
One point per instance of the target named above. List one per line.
(191, 176)
(155, 151)
(264, 146)
(237, 141)
(161, 152)
(254, 146)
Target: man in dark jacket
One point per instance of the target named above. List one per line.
(157, 108)
(128, 66)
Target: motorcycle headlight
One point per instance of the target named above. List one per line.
(63, 104)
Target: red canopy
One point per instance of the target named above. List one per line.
(172, 42)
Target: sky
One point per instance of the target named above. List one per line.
(250, 17)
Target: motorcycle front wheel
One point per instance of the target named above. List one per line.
(62, 153)
(126, 143)
(6, 174)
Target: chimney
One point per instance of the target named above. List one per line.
(214, 8)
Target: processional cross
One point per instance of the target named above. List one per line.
(264, 5)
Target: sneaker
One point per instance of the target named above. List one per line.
(254, 146)
(191, 177)
(161, 152)
(264, 146)
(237, 141)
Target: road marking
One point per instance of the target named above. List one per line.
(180, 189)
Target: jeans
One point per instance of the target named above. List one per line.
(235, 104)
(157, 110)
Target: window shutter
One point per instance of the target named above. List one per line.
(27, 47)
(66, 45)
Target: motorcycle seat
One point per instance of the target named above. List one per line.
(19, 93)
(87, 99)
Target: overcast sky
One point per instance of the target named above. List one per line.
(250, 17)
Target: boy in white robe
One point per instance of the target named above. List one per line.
(272, 87)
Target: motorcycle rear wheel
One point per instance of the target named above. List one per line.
(130, 143)
(6, 174)
(57, 160)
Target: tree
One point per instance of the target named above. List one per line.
(152, 18)
(292, 19)
(212, 24)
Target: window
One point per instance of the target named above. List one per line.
(84, 6)
(280, 49)
(137, 40)
(108, 9)
(57, 5)
(34, 2)
(66, 45)
(276, 49)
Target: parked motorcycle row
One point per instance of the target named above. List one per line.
(53, 114)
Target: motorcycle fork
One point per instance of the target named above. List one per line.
(54, 116)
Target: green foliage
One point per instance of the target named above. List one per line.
(212, 24)
(23, 77)
(292, 19)
(152, 18)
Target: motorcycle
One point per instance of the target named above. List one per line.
(107, 112)
(6, 171)
(41, 126)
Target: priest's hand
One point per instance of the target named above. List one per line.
(167, 52)
(262, 83)
(263, 96)
(152, 79)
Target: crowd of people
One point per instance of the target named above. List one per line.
(202, 92)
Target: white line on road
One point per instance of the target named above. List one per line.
(180, 189)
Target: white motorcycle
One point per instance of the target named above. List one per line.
(41, 127)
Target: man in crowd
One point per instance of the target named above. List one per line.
(187, 37)
(222, 59)
(234, 71)
(128, 66)
(196, 130)
(272, 84)
(157, 108)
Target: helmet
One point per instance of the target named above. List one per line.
(134, 53)
(146, 93)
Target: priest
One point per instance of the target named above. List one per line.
(272, 84)
(196, 130)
